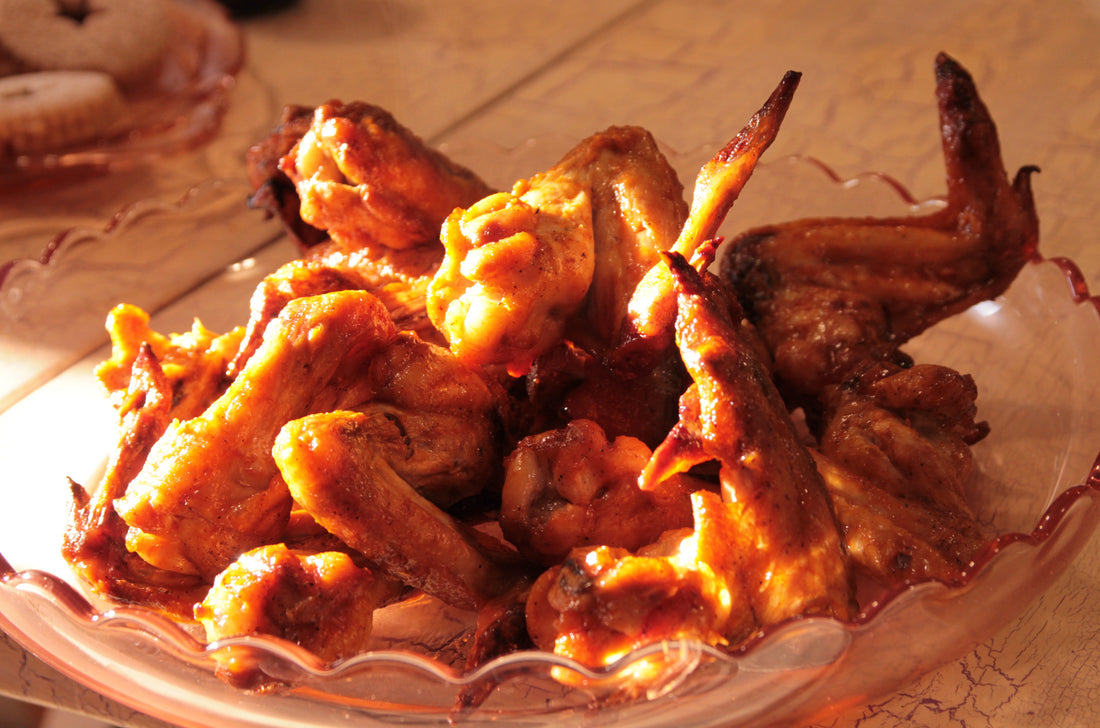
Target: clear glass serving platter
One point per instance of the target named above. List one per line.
(181, 108)
(1032, 353)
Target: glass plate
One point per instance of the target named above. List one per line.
(53, 306)
(1031, 352)
(181, 109)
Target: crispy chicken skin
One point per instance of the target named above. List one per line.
(368, 181)
(323, 602)
(95, 537)
(734, 415)
(440, 422)
(831, 294)
(210, 490)
(651, 309)
(574, 487)
(559, 256)
(341, 477)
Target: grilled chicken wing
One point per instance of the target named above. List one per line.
(340, 475)
(209, 489)
(95, 537)
(323, 602)
(368, 181)
(603, 602)
(896, 459)
(651, 309)
(734, 415)
(427, 434)
(828, 295)
(197, 364)
(573, 487)
(558, 256)
(518, 265)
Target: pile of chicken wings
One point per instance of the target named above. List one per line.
(567, 406)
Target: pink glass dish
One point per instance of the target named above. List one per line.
(181, 109)
(1031, 353)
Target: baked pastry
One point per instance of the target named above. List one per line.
(123, 38)
(48, 110)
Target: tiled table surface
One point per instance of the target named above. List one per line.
(692, 72)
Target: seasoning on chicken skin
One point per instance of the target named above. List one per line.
(573, 487)
(368, 181)
(209, 489)
(638, 209)
(95, 536)
(323, 602)
(830, 294)
(652, 307)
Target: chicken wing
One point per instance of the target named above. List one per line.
(896, 459)
(272, 190)
(339, 475)
(209, 489)
(518, 266)
(573, 487)
(559, 256)
(603, 602)
(829, 295)
(323, 602)
(197, 364)
(651, 310)
(734, 415)
(368, 181)
(95, 536)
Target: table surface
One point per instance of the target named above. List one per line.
(691, 72)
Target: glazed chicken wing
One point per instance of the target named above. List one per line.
(652, 308)
(323, 602)
(896, 459)
(95, 537)
(638, 210)
(209, 489)
(339, 475)
(573, 487)
(603, 602)
(559, 256)
(427, 434)
(197, 364)
(518, 265)
(368, 181)
(830, 294)
(734, 415)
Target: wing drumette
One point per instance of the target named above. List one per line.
(368, 181)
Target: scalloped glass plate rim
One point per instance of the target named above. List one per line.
(289, 659)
